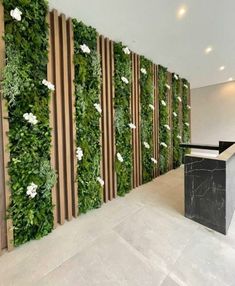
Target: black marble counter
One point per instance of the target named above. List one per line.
(210, 189)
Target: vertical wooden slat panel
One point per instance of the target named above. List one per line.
(138, 120)
(134, 179)
(50, 78)
(5, 156)
(104, 119)
(156, 116)
(66, 118)
(59, 112)
(154, 121)
(72, 113)
(114, 187)
(190, 119)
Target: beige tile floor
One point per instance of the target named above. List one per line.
(141, 239)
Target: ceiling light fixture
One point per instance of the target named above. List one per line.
(230, 79)
(208, 50)
(222, 68)
(181, 12)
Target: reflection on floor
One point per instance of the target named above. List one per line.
(141, 239)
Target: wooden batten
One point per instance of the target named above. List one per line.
(6, 227)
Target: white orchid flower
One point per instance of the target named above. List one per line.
(124, 79)
(176, 76)
(167, 127)
(79, 153)
(132, 126)
(119, 157)
(143, 71)
(163, 102)
(85, 49)
(167, 86)
(30, 118)
(101, 181)
(189, 107)
(175, 114)
(179, 137)
(154, 160)
(126, 50)
(179, 98)
(146, 145)
(163, 144)
(151, 106)
(16, 14)
(48, 84)
(98, 107)
(187, 124)
(186, 86)
(32, 190)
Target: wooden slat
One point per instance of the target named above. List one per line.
(50, 78)
(134, 179)
(156, 115)
(138, 120)
(59, 112)
(154, 121)
(72, 113)
(66, 118)
(5, 156)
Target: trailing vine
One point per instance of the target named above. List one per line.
(122, 103)
(87, 93)
(147, 100)
(164, 133)
(185, 114)
(31, 175)
(177, 153)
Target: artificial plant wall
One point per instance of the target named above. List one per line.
(164, 129)
(123, 125)
(185, 114)
(176, 103)
(88, 112)
(147, 103)
(28, 93)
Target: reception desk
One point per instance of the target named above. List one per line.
(210, 188)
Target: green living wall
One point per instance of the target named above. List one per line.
(147, 100)
(164, 132)
(88, 112)
(122, 105)
(176, 132)
(185, 114)
(27, 93)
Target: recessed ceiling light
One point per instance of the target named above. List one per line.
(208, 50)
(181, 12)
(222, 68)
(230, 79)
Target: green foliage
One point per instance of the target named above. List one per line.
(122, 63)
(164, 134)
(185, 114)
(177, 153)
(27, 57)
(87, 93)
(146, 99)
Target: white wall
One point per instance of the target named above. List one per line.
(213, 114)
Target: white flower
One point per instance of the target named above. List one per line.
(101, 181)
(154, 160)
(16, 14)
(175, 114)
(119, 157)
(186, 86)
(146, 145)
(179, 137)
(167, 127)
(188, 106)
(98, 107)
(132, 126)
(126, 50)
(176, 76)
(167, 86)
(124, 79)
(79, 153)
(32, 190)
(85, 49)
(151, 106)
(163, 102)
(30, 118)
(48, 84)
(179, 98)
(163, 144)
(187, 124)
(143, 70)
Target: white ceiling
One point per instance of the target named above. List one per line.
(151, 28)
